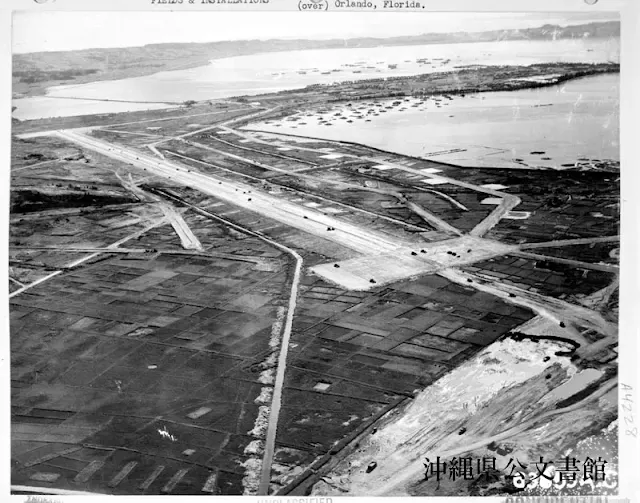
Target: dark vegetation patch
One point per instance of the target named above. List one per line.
(33, 76)
(30, 200)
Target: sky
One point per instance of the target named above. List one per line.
(63, 31)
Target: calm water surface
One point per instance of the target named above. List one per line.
(262, 73)
(543, 127)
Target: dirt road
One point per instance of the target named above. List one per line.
(395, 483)
(276, 402)
(86, 258)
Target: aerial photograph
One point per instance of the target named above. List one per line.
(283, 254)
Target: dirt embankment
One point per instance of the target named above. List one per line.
(498, 405)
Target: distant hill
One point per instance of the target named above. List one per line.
(33, 72)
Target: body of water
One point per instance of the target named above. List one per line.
(40, 107)
(577, 120)
(263, 73)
